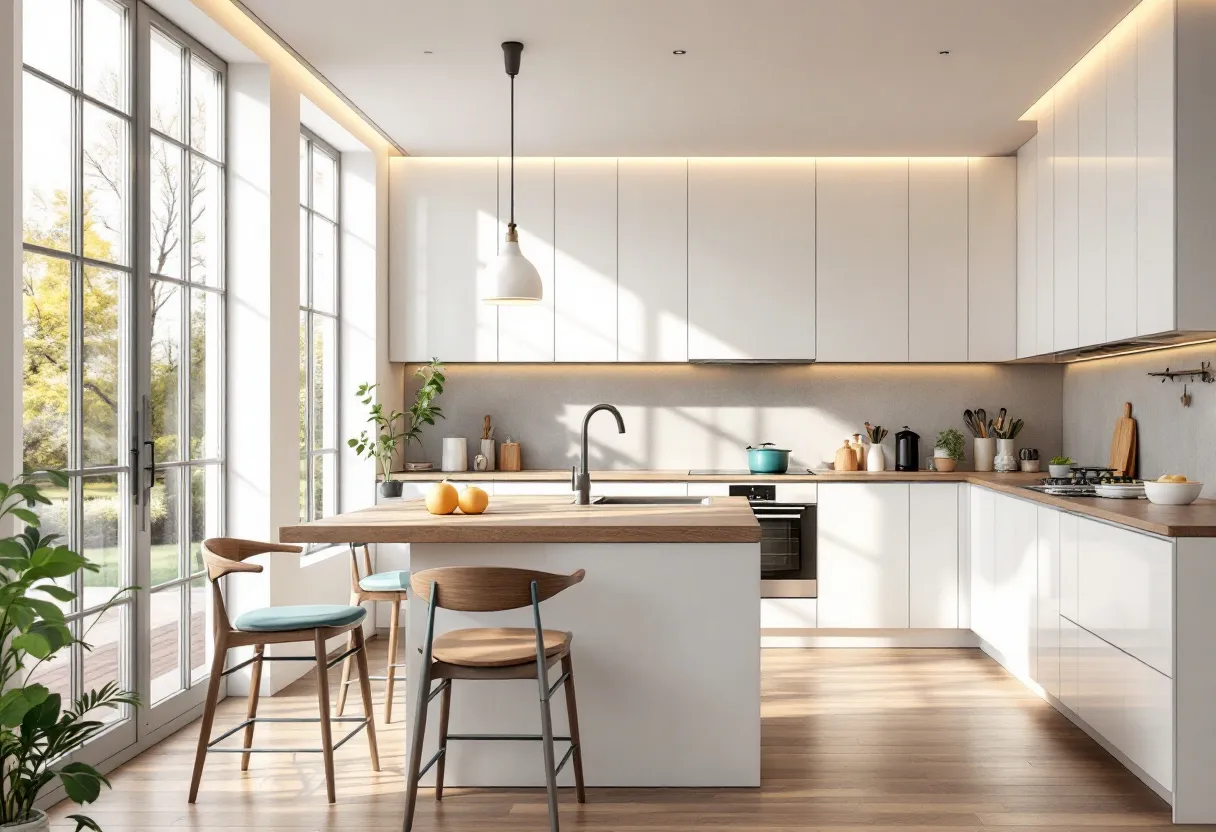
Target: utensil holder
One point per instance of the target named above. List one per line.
(455, 454)
(876, 459)
(487, 450)
(985, 453)
(1006, 460)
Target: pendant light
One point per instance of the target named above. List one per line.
(511, 279)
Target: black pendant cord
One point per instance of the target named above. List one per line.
(512, 224)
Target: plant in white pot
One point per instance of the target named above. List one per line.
(948, 451)
(37, 729)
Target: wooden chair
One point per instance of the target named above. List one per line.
(277, 625)
(380, 586)
(492, 653)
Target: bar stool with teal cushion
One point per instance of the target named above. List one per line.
(377, 586)
(314, 623)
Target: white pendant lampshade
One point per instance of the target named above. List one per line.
(511, 278)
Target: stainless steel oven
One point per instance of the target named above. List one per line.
(787, 543)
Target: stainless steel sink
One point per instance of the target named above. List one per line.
(650, 501)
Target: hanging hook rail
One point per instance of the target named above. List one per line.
(1203, 374)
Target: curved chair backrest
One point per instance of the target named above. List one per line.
(222, 555)
(488, 588)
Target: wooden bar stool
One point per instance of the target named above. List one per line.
(278, 625)
(492, 653)
(381, 586)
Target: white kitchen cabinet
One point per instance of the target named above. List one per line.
(788, 613)
(532, 489)
(1047, 637)
(525, 332)
(933, 555)
(992, 252)
(863, 555)
(1016, 560)
(1069, 668)
(652, 260)
(1069, 531)
(1028, 253)
(1155, 287)
(1045, 230)
(964, 556)
(797, 492)
(613, 488)
(1065, 236)
(751, 259)
(983, 562)
(444, 231)
(584, 265)
(937, 259)
(1125, 584)
(862, 271)
(708, 489)
(1091, 200)
(1121, 234)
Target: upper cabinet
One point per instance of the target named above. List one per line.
(525, 332)
(937, 259)
(1155, 166)
(751, 259)
(585, 260)
(992, 255)
(1064, 216)
(1091, 201)
(1028, 253)
(1120, 183)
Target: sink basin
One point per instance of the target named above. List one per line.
(650, 501)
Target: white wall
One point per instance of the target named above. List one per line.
(10, 240)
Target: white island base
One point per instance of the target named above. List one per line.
(666, 656)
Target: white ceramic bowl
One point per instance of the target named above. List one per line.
(1172, 493)
(1060, 471)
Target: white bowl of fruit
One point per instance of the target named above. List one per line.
(1172, 490)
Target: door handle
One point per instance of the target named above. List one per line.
(151, 466)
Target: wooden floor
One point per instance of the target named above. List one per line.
(852, 739)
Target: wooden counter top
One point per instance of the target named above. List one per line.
(537, 520)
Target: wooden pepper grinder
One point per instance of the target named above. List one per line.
(512, 458)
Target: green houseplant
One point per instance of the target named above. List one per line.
(37, 729)
(948, 450)
(381, 442)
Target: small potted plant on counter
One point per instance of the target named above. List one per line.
(38, 730)
(1060, 467)
(948, 450)
(380, 443)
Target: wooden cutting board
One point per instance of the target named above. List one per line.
(1123, 444)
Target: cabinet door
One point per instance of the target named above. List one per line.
(584, 260)
(1045, 224)
(937, 259)
(525, 332)
(443, 231)
(614, 488)
(1125, 586)
(1069, 529)
(862, 274)
(933, 555)
(652, 260)
(863, 555)
(1065, 238)
(983, 562)
(751, 259)
(1069, 680)
(992, 258)
(964, 556)
(1028, 254)
(1091, 200)
(1016, 532)
(1121, 184)
(1155, 169)
(1047, 644)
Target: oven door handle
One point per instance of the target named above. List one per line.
(778, 516)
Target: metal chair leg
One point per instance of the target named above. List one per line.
(546, 730)
(416, 736)
(572, 713)
(327, 737)
(255, 684)
(445, 707)
(365, 686)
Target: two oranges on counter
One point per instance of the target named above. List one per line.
(444, 499)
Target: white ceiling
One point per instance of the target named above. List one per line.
(761, 77)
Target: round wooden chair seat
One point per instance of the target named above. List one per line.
(496, 646)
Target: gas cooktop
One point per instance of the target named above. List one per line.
(743, 472)
(1084, 482)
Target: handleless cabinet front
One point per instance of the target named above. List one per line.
(863, 555)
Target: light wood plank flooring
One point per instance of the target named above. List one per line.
(853, 739)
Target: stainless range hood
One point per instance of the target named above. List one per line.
(1143, 343)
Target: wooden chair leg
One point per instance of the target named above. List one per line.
(572, 713)
(255, 684)
(365, 686)
(350, 643)
(445, 707)
(204, 730)
(327, 737)
(394, 624)
(416, 735)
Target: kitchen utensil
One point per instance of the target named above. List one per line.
(767, 459)
(846, 458)
(875, 433)
(1000, 420)
(1123, 444)
(512, 456)
(455, 454)
(985, 453)
(1172, 493)
(981, 416)
(969, 421)
(487, 432)
(907, 450)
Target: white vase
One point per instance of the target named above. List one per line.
(37, 823)
(1005, 460)
(876, 460)
(985, 452)
(455, 454)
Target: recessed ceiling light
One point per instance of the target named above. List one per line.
(679, 51)
(427, 52)
(944, 52)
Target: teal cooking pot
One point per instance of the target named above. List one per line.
(767, 459)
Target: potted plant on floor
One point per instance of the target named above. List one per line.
(948, 451)
(37, 729)
(381, 442)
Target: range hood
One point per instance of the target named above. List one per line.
(1142, 343)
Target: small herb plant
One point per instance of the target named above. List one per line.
(380, 443)
(37, 729)
(951, 441)
(1062, 460)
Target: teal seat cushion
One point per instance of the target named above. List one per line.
(386, 582)
(303, 617)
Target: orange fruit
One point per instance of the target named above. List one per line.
(442, 498)
(473, 500)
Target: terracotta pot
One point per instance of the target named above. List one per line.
(944, 464)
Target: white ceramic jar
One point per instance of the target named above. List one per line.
(876, 460)
(985, 453)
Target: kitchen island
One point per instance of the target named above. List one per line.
(666, 633)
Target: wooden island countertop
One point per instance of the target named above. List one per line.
(537, 520)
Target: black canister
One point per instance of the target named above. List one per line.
(907, 450)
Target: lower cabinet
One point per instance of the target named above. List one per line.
(863, 555)
(983, 562)
(1070, 690)
(1015, 589)
(933, 538)
(1047, 637)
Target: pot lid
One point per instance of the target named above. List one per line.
(906, 433)
(767, 446)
